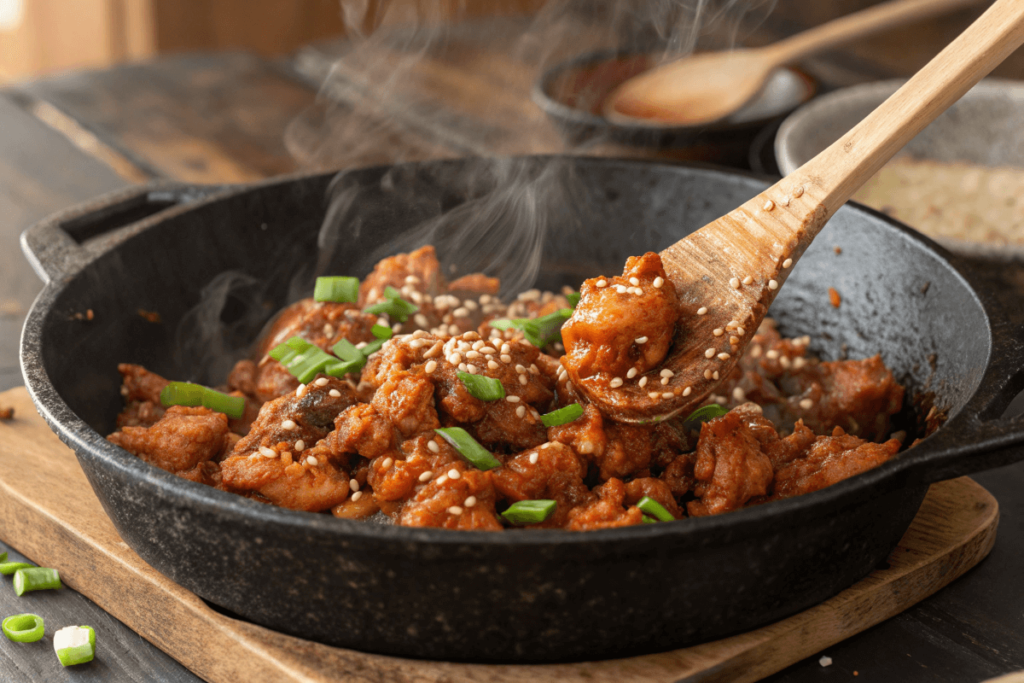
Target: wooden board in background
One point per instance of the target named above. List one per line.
(49, 512)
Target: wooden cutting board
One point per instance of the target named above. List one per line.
(49, 513)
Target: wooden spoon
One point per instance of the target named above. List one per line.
(728, 273)
(709, 86)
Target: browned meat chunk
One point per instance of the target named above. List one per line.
(465, 502)
(395, 271)
(141, 390)
(550, 472)
(656, 489)
(730, 467)
(605, 510)
(475, 284)
(831, 459)
(407, 401)
(180, 440)
(284, 482)
(615, 328)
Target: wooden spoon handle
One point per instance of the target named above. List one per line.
(857, 25)
(837, 172)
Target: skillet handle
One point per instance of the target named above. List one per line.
(61, 244)
(977, 438)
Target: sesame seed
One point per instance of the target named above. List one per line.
(461, 312)
(772, 354)
(312, 461)
(472, 369)
(470, 304)
(505, 358)
(288, 424)
(634, 281)
(664, 381)
(361, 345)
(806, 404)
(621, 289)
(322, 382)
(454, 474)
(421, 320)
(472, 355)
(442, 480)
(631, 374)
(523, 380)
(687, 391)
(653, 394)
(734, 283)
(658, 282)
(739, 394)
(740, 331)
(478, 344)
(534, 457)
(426, 476)
(641, 340)
(709, 353)
(462, 367)
(734, 340)
(491, 365)
(268, 452)
(787, 263)
(432, 445)
(411, 280)
(300, 390)
(769, 205)
(798, 190)
(667, 394)
(643, 382)
(718, 332)
(521, 411)
(601, 283)
(419, 334)
(470, 502)
(714, 375)
(784, 361)
(487, 350)
(388, 462)
(334, 393)
(430, 366)
(755, 351)
(455, 358)
(455, 510)
(356, 496)
(731, 324)
(748, 280)
(773, 285)
(505, 348)
(799, 363)
(724, 356)
(512, 399)
(707, 374)
(702, 310)
(667, 373)
(353, 484)
(615, 383)
(300, 445)
(328, 330)
(521, 369)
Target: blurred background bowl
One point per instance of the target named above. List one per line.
(985, 128)
(571, 93)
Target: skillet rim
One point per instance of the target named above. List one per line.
(725, 528)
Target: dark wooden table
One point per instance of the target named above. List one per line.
(238, 118)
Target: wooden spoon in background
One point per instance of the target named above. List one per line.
(709, 86)
(728, 273)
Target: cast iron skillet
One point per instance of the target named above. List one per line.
(524, 596)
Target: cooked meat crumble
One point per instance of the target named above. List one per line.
(366, 444)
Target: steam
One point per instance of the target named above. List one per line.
(379, 105)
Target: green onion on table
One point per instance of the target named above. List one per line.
(35, 579)
(23, 628)
(75, 645)
(8, 568)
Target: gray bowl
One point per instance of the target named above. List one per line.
(985, 127)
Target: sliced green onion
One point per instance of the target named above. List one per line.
(708, 412)
(75, 645)
(655, 509)
(302, 359)
(562, 416)
(192, 395)
(467, 446)
(648, 520)
(347, 351)
(373, 347)
(339, 290)
(538, 331)
(8, 568)
(181, 394)
(23, 628)
(483, 388)
(3, 557)
(35, 579)
(232, 406)
(397, 308)
(529, 511)
(573, 298)
(381, 332)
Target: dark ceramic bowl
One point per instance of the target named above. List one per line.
(572, 92)
(521, 595)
